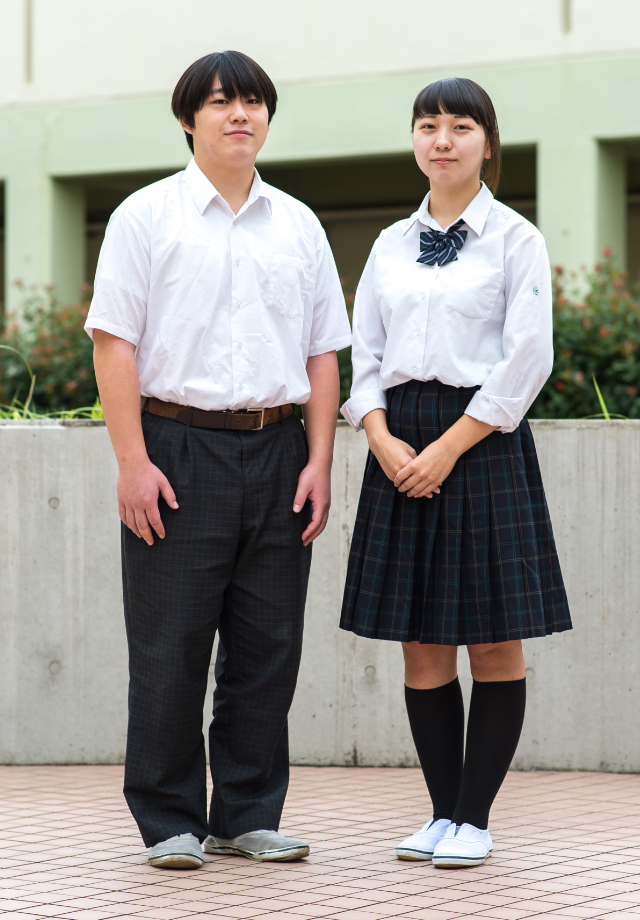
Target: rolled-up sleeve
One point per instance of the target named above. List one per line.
(121, 290)
(369, 339)
(527, 339)
(330, 330)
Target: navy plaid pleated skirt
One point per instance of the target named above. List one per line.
(476, 563)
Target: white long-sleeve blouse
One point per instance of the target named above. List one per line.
(484, 320)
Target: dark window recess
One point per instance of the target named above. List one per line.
(356, 199)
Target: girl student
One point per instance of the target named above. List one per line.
(453, 543)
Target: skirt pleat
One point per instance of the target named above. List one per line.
(476, 563)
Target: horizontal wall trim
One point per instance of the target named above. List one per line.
(328, 119)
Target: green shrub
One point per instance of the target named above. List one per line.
(52, 339)
(595, 335)
(344, 367)
(344, 356)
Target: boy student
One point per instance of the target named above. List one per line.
(218, 300)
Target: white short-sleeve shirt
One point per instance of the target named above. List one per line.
(483, 320)
(223, 309)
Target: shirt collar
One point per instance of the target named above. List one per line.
(475, 215)
(204, 191)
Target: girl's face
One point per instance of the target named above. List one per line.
(449, 149)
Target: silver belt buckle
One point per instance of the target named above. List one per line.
(261, 411)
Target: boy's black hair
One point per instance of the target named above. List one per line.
(461, 96)
(239, 76)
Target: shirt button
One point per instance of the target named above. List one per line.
(238, 303)
(240, 387)
(419, 332)
(237, 261)
(414, 370)
(239, 346)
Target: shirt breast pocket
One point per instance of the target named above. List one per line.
(288, 285)
(475, 295)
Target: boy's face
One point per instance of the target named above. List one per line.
(229, 130)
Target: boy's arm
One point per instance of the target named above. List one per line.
(139, 481)
(320, 417)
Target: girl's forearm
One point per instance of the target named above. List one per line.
(375, 426)
(464, 433)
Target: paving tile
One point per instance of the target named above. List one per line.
(357, 915)
(430, 913)
(160, 913)
(507, 913)
(48, 910)
(582, 910)
(7, 904)
(312, 910)
(567, 846)
(93, 915)
(20, 915)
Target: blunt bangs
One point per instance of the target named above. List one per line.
(240, 77)
(460, 96)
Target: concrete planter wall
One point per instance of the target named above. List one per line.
(63, 666)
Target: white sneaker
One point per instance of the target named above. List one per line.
(265, 846)
(422, 844)
(180, 852)
(462, 845)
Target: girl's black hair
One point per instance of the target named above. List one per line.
(460, 96)
(239, 76)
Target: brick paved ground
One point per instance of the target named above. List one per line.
(567, 845)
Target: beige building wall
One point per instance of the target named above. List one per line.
(85, 118)
(87, 49)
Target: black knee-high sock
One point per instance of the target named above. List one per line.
(437, 725)
(495, 721)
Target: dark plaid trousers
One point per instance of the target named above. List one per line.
(232, 561)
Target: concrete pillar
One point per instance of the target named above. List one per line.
(612, 201)
(2, 248)
(581, 199)
(44, 233)
(567, 199)
(68, 238)
(27, 236)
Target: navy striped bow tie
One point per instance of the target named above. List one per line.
(441, 247)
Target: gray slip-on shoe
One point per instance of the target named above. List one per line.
(265, 846)
(181, 852)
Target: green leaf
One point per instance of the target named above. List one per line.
(603, 404)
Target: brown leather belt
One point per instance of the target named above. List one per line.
(241, 420)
